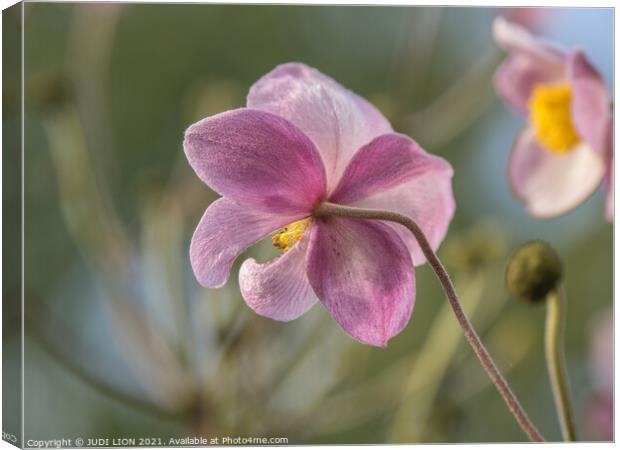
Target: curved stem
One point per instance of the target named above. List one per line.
(554, 351)
(330, 209)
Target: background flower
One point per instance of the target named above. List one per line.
(560, 158)
(598, 409)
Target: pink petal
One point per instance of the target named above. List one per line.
(257, 159)
(590, 103)
(598, 414)
(387, 161)
(550, 184)
(517, 77)
(530, 62)
(602, 350)
(516, 39)
(532, 18)
(363, 274)
(338, 121)
(224, 232)
(394, 173)
(278, 289)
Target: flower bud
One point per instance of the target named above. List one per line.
(534, 270)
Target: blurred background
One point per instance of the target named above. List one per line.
(121, 341)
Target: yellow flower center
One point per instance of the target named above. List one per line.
(550, 114)
(288, 236)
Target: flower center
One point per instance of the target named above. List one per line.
(288, 236)
(550, 114)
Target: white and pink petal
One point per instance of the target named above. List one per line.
(530, 62)
(516, 39)
(552, 184)
(278, 289)
(225, 231)
(517, 77)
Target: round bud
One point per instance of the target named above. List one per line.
(534, 270)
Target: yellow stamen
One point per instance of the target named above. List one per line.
(550, 114)
(288, 236)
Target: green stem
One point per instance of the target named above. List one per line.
(554, 350)
(433, 361)
(331, 209)
(104, 388)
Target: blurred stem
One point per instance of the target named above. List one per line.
(92, 32)
(162, 236)
(501, 337)
(411, 63)
(234, 329)
(459, 104)
(556, 361)
(97, 384)
(331, 209)
(431, 365)
(94, 224)
(299, 356)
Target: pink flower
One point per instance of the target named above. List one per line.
(304, 139)
(533, 18)
(598, 409)
(566, 149)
